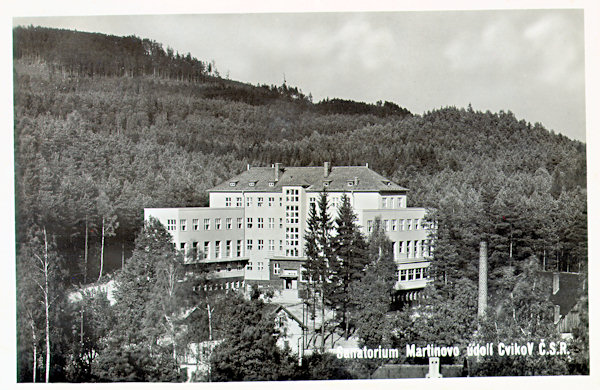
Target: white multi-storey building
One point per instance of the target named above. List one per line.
(253, 229)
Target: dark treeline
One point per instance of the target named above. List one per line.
(105, 126)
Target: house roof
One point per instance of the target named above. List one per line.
(313, 179)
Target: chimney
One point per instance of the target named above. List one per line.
(355, 181)
(367, 165)
(277, 169)
(327, 169)
(248, 167)
(483, 270)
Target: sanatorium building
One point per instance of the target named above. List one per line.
(253, 230)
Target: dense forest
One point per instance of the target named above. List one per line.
(106, 126)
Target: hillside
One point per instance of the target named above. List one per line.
(92, 140)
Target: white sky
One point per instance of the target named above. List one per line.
(529, 62)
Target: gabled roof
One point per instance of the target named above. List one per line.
(313, 179)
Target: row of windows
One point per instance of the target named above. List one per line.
(416, 248)
(260, 223)
(411, 274)
(259, 266)
(390, 202)
(395, 225)
(223, 286)
(222, 249)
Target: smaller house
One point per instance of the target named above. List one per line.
(291, 328)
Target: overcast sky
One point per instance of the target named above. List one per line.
(529, 62)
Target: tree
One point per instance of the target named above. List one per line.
(90, 338)
(524, 315)
(38, 268)
(141, 342)
(319, 254)
(108, 224)
(374, 290)
(348, 263)
(249, 351)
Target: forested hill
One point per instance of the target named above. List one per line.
(105, 126)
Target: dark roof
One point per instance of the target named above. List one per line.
(311, 178)
(570, 288)
(290, 314)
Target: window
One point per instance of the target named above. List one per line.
(411, 274)
(195, 224)
(280, 245)
(280, 201)
(217, 249)
(248, 201)
(350, 183)
(394, 225)
(369, 226)
(252, 183)
(399, 203)
(228, 223)
(271, 223)
(402, 274)
(259, 266)
(232, 183)
(228, 248)
(249, 245)
(182, 246)
(386, 225)
(276, 268)
(218, 223)
(249, 266)
(271, 184)
(280, 223)
(228, 202)
(259, 202)
(249, 222)
(271, 201)
(260, 245)
(239, 223)
(271, 245)
(411, 249)
(238, 251)
(238, 202)
(260, 222)
(397, 274)
(206, 224)
(402, 246)
(383, 202)
(194, 250)
(171, 223)
(206, 249)
(400, 224)
(409, 224)
(419, 273)
(417, 224)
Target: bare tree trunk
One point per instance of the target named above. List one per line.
(85, 264)
(101, 252)
(208, 309)
(322, 318)
(34, 338)
(46, 306)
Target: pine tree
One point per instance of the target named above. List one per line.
(319, 252)
(348, 263)
(374, 290)
(141, 346)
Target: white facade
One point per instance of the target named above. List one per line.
(260, 215)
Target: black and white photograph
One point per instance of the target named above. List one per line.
(254, 194)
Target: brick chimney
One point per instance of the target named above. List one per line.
(277, 170)
(326, 168)
(483, 271)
